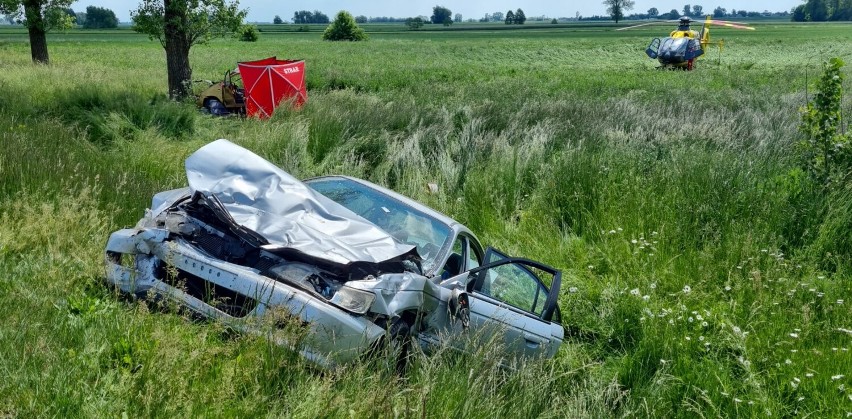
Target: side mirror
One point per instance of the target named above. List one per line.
(459, 306)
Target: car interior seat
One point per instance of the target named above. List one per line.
(453, 266)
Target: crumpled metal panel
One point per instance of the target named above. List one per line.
(262, 197)
(400, 292)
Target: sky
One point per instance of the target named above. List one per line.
(265, 11)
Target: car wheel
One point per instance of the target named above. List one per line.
(400, 343)
(396, 344)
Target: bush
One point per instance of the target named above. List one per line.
(248, 33)
(344, 28)
(826, 147)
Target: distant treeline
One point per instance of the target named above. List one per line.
(822, 10)
(694, 11)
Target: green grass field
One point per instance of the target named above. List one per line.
(705, 274)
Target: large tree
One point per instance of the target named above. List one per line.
(100, 18)
(180, 24)
(616, 8)
(39, 16)
(306, 16)
(520, 17)
(441, 14)
(816, 10)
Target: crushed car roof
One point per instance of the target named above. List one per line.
(267, 200)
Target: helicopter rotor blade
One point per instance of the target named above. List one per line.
(731, 24)
(656, 22)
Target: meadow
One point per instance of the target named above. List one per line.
(705, 273)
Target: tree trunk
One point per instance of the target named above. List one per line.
(38, 37)
(177, 50)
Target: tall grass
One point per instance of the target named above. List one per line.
(703, 274)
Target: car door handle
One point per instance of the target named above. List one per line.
(533, 341)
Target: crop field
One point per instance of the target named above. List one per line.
(706, 273)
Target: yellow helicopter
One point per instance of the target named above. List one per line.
(684, 45)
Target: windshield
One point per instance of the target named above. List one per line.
(406, 224)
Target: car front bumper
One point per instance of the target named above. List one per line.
(139, 260)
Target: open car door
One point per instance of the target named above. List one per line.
(508, 295)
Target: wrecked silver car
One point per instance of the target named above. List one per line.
(352, 262)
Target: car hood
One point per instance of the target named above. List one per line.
(261, 197)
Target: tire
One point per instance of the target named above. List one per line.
(400, 344)
(395, 346)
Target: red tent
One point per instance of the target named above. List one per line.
(270, 81)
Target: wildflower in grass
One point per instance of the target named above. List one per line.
(591, 267)
(687, 289)
(612, 232)
(821, 277)
(737, 330)
(701, 338)
(703, 324)
(840, 302)
(736, 400)
(688, 338)
(787, 361)
(635, 292)
(809, 374)
(646, 297)
(727, 287)
(572, 290)
(837, 377)
(653, 285)
(633, 241)
(794, 335)
(841, 387)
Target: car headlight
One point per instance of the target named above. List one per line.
(353, 300)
